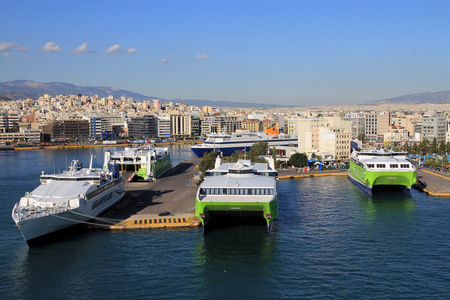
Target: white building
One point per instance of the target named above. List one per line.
(330, 135)
(434, 125)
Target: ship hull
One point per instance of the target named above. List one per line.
(39, 229)
(205, 211)
(377, 181)
(159, 167)
(228, 149)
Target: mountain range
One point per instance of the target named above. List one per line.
(442, 97)
(22, 89)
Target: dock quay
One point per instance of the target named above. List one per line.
(173, 193)
(294, 174)
(438, 183)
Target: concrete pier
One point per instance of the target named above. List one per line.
(438, 183)
(174, 193)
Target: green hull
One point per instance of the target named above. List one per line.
(158, 168)
(370, 178)
(268, 210)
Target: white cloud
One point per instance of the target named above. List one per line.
(131, 50)
(6, 46)
(164, 61)
(117, 50)
(82, 49)
(6, 54)
(202, 56)
(51, 47)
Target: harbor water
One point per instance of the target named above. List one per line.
(330, 241)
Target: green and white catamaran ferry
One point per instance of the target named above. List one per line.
(241, 189)
(376, 170)
(147, 162)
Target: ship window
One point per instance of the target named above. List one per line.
(216, 191)
(246, 191)
(394, 166)
(232, 191)
(208, 191)
(202, 191)
(225, 191)
(253, 192)
(271, 192)
(257, 191)
(220, 191)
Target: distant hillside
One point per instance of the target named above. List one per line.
(201, 103)
(433, 97)
(36, 89)
(22, 89)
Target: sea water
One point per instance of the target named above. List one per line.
(330, 241)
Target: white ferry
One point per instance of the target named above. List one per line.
(146, 161)
(238, 142)
(62, 200)
(241, 189)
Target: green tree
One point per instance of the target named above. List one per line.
(434, 146)
(406, 147)
(415, 149)
(442, 148)
(424, 147)
(260, 148)
(235, 156)
(208, 162)
(298, 160)
(362, 138)
(316, 157)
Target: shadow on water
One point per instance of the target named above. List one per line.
(69, 234)
(235, 223)
(59, 254)
(235, 259)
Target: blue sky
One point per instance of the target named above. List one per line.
(282, 52)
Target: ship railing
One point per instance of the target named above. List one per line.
(36, 213)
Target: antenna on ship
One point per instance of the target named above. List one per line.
(90, 163)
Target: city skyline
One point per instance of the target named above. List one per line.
(292, 52)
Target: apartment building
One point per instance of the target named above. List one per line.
(376, 125)
(142, 127)
(252, 125)
(325, 135)
(434, 125)
(66, 129)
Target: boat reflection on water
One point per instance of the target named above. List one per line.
(234, 253)
(390, 211)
